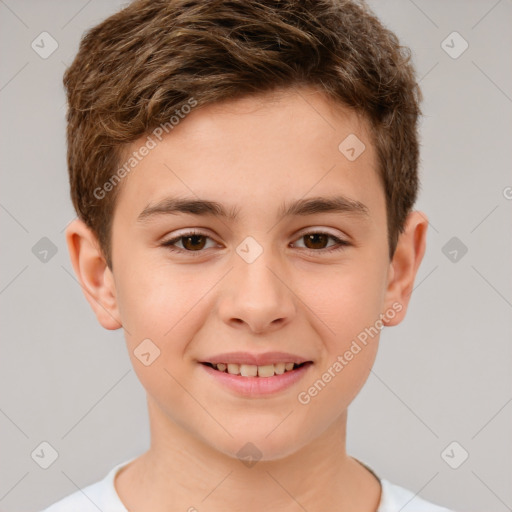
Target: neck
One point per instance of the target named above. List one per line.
(181, 472)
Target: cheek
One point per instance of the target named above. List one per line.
(344, 300)
(158, 305)
(347, 305)
(161, 303)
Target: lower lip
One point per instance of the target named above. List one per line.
(258, 386)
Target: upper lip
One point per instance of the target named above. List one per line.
(263, 359)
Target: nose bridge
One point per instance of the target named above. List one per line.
(257, 295)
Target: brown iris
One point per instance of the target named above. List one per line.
(318, 240)
(193, 242)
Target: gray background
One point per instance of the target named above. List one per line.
(441, 376)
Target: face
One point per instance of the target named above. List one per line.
(246, 241)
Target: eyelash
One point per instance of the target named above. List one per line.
(341, 244)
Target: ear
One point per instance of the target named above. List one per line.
(404, 266)
(96, 279)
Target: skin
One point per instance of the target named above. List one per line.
(252, 154)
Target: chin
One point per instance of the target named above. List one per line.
(256, 445)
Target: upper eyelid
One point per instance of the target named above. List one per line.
(192, 232)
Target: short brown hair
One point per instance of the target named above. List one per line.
(134, 69)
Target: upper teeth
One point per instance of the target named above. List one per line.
(250, 370)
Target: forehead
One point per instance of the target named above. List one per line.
(259, 151)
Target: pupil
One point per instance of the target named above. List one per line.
(314, 241)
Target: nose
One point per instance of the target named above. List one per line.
(257, 296)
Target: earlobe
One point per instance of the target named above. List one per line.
(404, 266)
(95, 277)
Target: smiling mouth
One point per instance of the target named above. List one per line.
(250, 370)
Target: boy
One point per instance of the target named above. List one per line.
(244, 175)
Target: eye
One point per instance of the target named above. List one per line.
(192, 242)
(316, 242)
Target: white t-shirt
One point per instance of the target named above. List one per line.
(102, 496)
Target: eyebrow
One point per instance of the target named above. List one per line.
(301, 207)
